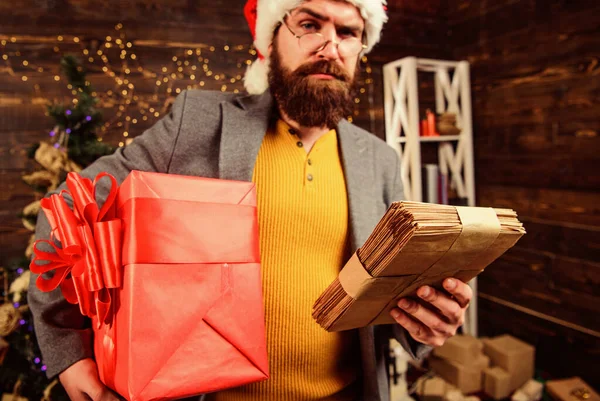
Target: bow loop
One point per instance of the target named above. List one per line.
(87, 266)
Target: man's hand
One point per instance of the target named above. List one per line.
(82, 383)
(436, 316)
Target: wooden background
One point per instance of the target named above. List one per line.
(536, 103)
(536, 89)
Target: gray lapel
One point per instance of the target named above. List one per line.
(357, 160)
(244, 125)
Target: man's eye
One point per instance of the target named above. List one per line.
(347, 33)
(309, 26)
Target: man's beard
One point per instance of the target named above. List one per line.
(309, 101)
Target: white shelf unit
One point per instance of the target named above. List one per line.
(455, 153)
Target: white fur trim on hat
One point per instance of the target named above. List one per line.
(256, 79)
(271, 12)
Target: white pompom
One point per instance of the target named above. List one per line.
(256, 79)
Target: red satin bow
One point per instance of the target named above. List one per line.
(88, 265)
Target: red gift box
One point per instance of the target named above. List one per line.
(180, 311)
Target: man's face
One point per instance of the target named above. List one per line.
(315, 86)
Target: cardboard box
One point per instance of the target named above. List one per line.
(466, 378)
(431, 389)
(573, 389)
(464, 349)
(496, 382)
(513, 355)
(482, 362)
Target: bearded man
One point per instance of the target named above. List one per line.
(322, 186)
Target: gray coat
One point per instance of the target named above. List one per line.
(214, 134)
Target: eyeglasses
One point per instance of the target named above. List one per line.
(314, 42)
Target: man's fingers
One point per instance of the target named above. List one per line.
(414, 328)
(107, 395)
(429, 318)
(446, 305)
(459, 290)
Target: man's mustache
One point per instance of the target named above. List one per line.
(323, 67)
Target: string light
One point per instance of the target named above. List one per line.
(170, 79)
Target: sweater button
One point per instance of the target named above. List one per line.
(309, 177)
(299, 144)
(309, 162)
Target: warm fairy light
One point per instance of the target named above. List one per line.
(170, 79)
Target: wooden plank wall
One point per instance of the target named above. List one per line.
(158, 30)
(536, 101)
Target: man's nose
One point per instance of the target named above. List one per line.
(329, 51)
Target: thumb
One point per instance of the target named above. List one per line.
(107, 395)
(96, 390)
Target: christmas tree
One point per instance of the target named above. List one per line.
(71, 146)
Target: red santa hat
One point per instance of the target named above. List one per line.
(263, 16)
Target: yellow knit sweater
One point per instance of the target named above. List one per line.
(303, 220)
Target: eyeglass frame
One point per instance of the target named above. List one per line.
(326, 41)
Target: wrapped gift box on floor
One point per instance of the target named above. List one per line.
(516, 357)
(179, 311)
(460, 348)
(461, 362)
(496, 382)
(573, 389)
